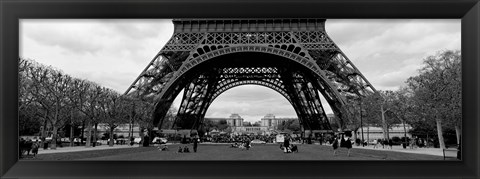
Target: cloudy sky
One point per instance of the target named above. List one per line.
(112, 53)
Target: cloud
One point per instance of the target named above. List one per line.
(387, 52)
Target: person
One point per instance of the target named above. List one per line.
(375, 143)
(179, 149)
(335, 146)
(390, 143)
(247, 144)
(28, 146)
(35, 147)
(385, 143)
(195, 145)
(21, 147)
(186, 150)
(294, 148)
(348, 145)
(412, 143)
(286, 143)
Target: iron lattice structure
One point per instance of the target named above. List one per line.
(294, 57)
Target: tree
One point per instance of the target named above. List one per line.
(145, 118)
(77, 96)
(88, 104)
(402, 107)
(289, 125)
(437, 90)
(28, 110)
(207, 126)
(50, 89)
(222, 125)
(113, 110)
(378, 110)
(170, 118)
(25, 96)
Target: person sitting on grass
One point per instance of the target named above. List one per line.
(241, 146)
(186, 150)
(294, 148)
(247, 144)
(287, 150)
(179, 150)
(163, 148)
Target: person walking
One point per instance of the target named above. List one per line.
(390, 143)
(335, 146)
(286, 144)
(348, 145)
(195, 145)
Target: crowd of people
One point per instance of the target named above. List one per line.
(242, 143)
(238, 138)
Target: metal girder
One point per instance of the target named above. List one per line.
(303, 42)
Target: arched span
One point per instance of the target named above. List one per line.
(181, 75)
(265, 56)
(234, 84)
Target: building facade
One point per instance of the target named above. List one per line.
(371, 133)
(233, 121)
(124, 130)
(272, 122)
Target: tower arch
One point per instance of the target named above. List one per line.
(294, 57)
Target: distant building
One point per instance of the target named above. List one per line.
(247, 124)
(122, 130)
(267, 124)
(271, 122)
(371, 133)
(234, 120)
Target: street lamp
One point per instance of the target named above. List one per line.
(361, 122)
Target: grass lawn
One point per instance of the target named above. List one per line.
(224, 152)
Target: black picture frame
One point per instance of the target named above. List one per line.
(13, 10)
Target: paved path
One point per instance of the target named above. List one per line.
(428, 151)
(82, 148)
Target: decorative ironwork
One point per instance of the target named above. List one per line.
(298, 61)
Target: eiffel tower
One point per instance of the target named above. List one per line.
(294, 57)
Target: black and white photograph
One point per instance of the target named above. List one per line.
(240, 89)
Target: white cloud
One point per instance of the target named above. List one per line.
(113, 52)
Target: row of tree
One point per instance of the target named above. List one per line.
(430, 101)
(54, 100)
